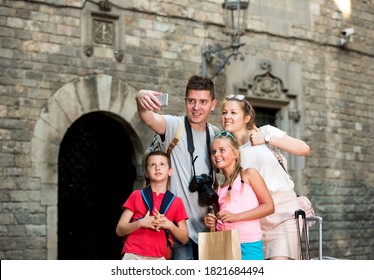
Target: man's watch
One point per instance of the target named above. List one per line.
(267, 138)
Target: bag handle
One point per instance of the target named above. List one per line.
(278, 157)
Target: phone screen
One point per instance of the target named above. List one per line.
(164, 98)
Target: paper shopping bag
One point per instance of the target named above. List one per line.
(219, 245)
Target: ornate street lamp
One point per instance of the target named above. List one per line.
(235, 14)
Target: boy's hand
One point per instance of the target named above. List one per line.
(148, 222)
(161, 221)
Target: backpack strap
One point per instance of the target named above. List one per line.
(167, 200)
(177, 137)
(148, 198)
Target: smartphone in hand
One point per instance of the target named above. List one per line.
(163, 98)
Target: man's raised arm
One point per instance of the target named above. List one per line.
(147, 103)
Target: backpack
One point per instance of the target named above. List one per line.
(167, 200)
(154, 145)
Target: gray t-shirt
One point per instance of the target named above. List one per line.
(183, 172)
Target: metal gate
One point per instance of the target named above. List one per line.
(95, 177)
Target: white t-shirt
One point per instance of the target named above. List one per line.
(261, 158)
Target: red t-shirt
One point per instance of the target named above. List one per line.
(145, 241)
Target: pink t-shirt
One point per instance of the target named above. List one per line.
(240, 200)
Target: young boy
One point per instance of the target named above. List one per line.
(145, 231)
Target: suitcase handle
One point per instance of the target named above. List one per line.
(299, 213)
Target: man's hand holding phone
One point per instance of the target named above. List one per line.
(163, 99)
(151, 100)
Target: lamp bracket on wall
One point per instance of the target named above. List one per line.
(219, 52)
(235, 13)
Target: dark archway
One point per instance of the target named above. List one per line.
(95, 176)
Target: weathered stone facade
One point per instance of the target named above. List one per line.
(62, 59)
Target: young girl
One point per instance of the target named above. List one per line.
(144, 231)
(259, 149)
(243, 197)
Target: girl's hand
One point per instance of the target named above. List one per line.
(226, 216)
(210, 221)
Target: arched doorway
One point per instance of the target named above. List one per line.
(96, 173)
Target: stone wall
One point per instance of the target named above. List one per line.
(42, 49)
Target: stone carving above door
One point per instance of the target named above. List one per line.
(267, 85)
(266, 82)
(102, 29)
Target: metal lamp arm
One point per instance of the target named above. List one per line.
(209, 54)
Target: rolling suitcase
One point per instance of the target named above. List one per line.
(303, 231)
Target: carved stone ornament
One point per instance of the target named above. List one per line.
(103, 32)
(265, 65)
(267, 85)
(119, 55)
(88, 50)
(294, 115)
(105, 5)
